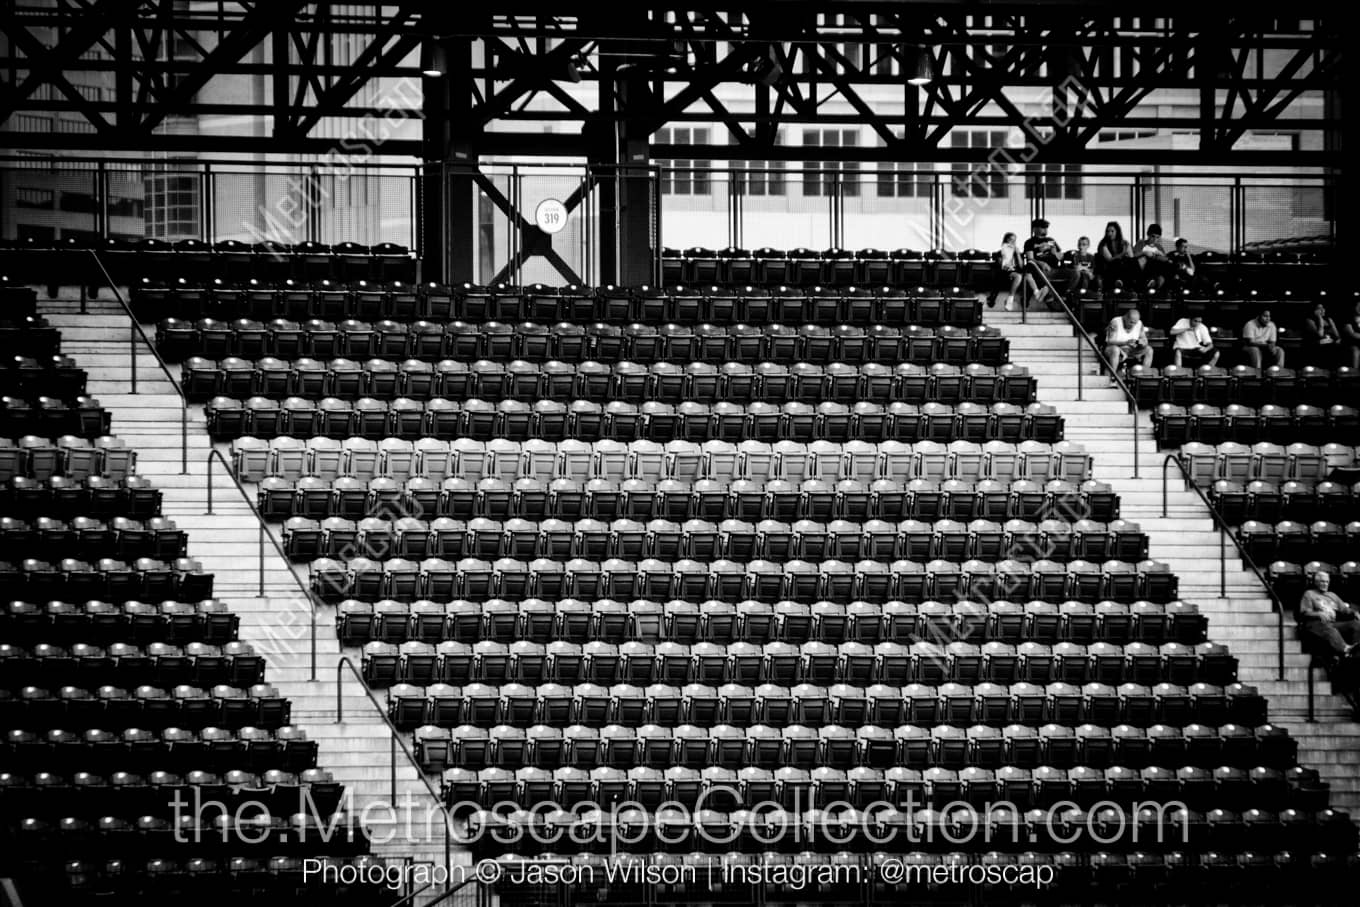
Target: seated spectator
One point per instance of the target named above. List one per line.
(1114, 258)
(1327, 625)
(1183, 263)
(1319, 331)
(1259, 338)
(1152, 259)
(1350, 336)
(1191, 344)
(1009, 275)
(1126, 341)
(1042, 257)
(1083, 267)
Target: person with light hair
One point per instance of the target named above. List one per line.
(1327, 624)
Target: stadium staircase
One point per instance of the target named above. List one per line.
(1188, 542)
(358, 751)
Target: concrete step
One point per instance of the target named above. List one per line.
(278, 624)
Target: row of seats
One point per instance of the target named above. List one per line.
(645, 788)
(272, 880)
(288, 745)
(676, 302)
(255, 758)
(89, 539)
(507, 459)
(539, 754)
(1174, 426)
(1216, 386)
(894, 747)
(28, 336)
(910, 266)
(104, 623)
(73, 457)
(1224, 311)
(123, 664)
(64, 498)
(1286, 540)
(1306, 502)
(39, 260)
(535, 622)
(1264, 462)
(348, 498)
(427, 341)
(813, 662)
(49, 417)
(630, 382)
(29, 377)
(154, 708)
(110, 580)
(436, 579)
(442, 419)
(245, 814)
(772, 540)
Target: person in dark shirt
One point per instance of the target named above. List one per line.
(1183, 263)
(1350, 336)
(1042, 257)
(1152, 258)
(1114, 255)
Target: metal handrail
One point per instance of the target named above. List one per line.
(454, 890)
(1224, 530)
(214, 453)
(410, 898)
(396, 738)
(132, 360)
(1083, 335)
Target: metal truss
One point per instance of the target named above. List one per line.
(626, 71)
(128, 68)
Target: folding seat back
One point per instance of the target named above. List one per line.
(1306, 463)
(1270, 463)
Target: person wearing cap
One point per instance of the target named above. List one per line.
(1042, 257)
(1191, 343)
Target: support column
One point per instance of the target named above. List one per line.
(620, 163)
(448, 214)
(635, 202)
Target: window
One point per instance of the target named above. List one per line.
(904, 179)
(819, 177)
(684, 177)
(171, 205)
(983, 179)
(79, 202)
(1124, 135)
(1057, 180)
(28, 197)
(760, 177)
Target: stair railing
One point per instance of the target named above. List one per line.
(1225, 532)
(265, 533)
(133, 336)
(1084, 340)
(396, 742)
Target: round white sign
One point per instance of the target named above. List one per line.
(550, 215)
